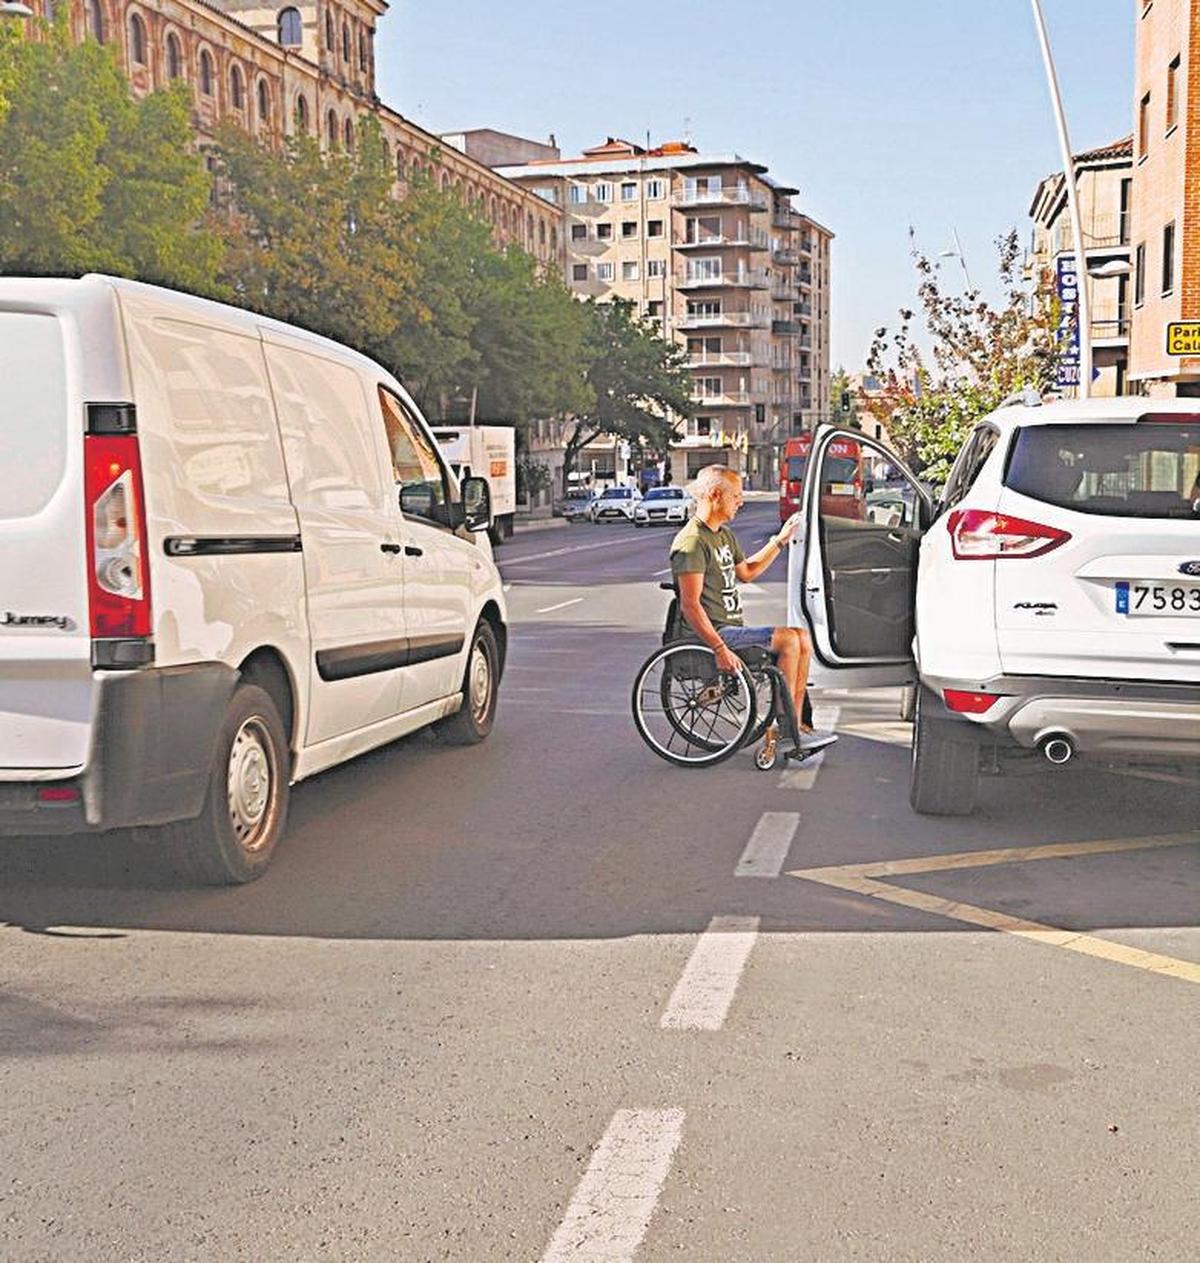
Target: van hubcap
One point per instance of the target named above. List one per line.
(250, 784)
(480, 683)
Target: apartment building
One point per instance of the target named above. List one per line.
(1166, 193)
(711, 248)
(307, 66)
(1104, 180)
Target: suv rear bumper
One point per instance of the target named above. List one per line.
(1127, 718)
(153, 735)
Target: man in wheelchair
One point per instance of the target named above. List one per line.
(707, 563)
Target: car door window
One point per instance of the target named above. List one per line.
(420, 476)
(969, 465)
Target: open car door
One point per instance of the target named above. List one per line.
(852, 575)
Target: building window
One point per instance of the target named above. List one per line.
(302, 114)
(654, 309)
(579, 271)
(445, 182)
(654, 228)
(237, 88)
(577, 194)
(541, 232)
(95, 20)
(329, 30)
(603, 192)
(703, 427)
(604, 232)
(629, 271)
(1144, 126)
(604, 271)
(174, 57)
(348, 135)
(1139, 275)
(553, 239)
(579, 232)
(1123, 222)
(1173, 95)
(708, 387)
(628, 191)
(137, 40)
(362, 51)
(206, 73)
(528, 229)
(656, 188)
(345, 41)
(628, 229)
(264, 102)
(291, 31)
(655, 269)
(331, 130)
(1168, 258)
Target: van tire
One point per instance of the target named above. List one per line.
(235, 835)
(472, 722)
(945, 764)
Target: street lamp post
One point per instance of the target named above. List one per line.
(1083, 305)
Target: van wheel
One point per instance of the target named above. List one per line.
(945, 765)
(245, 807)
(473, 720)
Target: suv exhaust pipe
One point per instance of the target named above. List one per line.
(1058, 749)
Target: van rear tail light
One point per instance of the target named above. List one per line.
(965, 703)
(981, 535)
(118, 577)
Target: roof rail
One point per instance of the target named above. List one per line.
(1027, 396)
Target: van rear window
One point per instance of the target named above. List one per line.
(1140, 470)
(33, 411)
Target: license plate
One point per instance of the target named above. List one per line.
(1146, 597)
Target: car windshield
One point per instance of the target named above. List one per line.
(665, 493)
(795, 468)
(617, 493)
(1142, 470)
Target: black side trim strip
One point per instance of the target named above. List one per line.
(229, 545)
(346, 662)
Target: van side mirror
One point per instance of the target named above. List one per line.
(477, 504)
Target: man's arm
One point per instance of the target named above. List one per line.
(751, 567)
(691, 585)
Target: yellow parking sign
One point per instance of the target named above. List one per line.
(1183, 337)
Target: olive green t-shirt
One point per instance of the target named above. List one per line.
(698, 549)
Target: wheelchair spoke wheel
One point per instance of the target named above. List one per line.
(687, 711)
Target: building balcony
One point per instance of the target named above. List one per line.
(727, 399)
(719, 359)
(804, 275)
(1110, 327)
(726, 195)
(742, 278)
(785, 327)
(722, 320)
(717, 241)
(785, 255)
(803, 308)
(785, 218)
(783, 291)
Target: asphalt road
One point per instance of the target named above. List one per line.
(551, 998)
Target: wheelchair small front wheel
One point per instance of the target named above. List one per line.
(689, 712)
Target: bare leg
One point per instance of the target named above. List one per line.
(793, 652)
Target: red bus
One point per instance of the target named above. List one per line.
(843, 491)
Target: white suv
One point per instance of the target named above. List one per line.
(1048, 600)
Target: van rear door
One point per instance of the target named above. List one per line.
(45, 644)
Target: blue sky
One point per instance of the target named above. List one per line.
(931, 111)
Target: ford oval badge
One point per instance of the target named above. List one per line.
(1190, 567)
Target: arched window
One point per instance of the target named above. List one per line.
(362, 51)
(237, 88)
(264, 102)
(206, 72)
(329, 30)
(492, 210)
(553, 239)
(95, 20)
(345, 41)
(400, 164)
(137, 40)
(529, 229)
(348, 134)
(504, 218)
(302, 113)
(445, 182)
(174, 57)
(291, 31)
(331, 128)
(541, 232)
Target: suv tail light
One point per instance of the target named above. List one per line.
(118, 576)
(981, 535)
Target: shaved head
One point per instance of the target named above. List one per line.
(715, 478)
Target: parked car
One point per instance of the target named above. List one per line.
(234, 557)
(574, 505)
(615, 504)
(663, 505)
(1048, 600)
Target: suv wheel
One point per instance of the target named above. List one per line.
(945, 764)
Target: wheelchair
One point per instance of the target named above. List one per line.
(694, 715)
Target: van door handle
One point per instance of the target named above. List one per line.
(411, 550)
(389, 548)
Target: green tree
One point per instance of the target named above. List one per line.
(635, 379)
(92, 179)
(843, 401)
(981, 354)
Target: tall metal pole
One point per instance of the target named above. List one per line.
(1083, 305)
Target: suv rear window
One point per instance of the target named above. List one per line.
(1141, 470)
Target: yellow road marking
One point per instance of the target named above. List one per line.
(864, 879)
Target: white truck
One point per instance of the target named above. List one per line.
(485, 451)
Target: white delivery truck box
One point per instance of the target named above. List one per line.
(230, 557)
(485, 451)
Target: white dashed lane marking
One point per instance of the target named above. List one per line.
(705, 991)
(611, 1210)
(562, 605)
(767, 850)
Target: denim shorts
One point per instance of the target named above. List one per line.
(747, 637)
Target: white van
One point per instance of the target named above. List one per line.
(231, 556)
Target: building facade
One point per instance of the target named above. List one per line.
(309, 67)
(1104, 180)
(1166, 193)
(711, 249)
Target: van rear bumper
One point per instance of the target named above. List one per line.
(153, 736)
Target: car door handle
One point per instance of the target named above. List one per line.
(389, 548)
(896, 537)
(411, 550)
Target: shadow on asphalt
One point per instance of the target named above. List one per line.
(563, 825)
